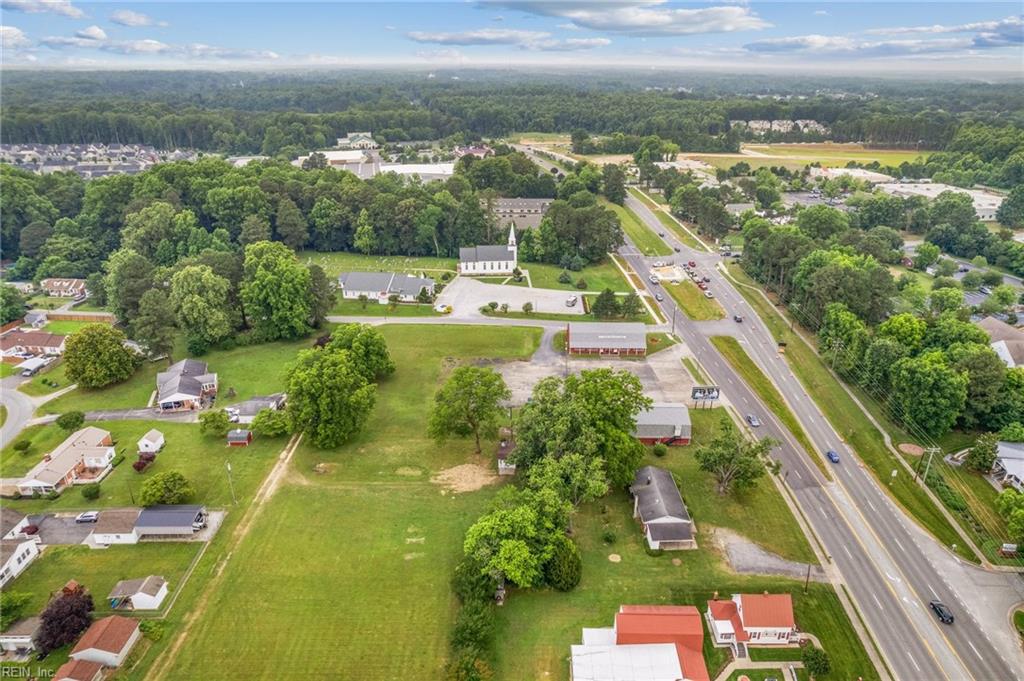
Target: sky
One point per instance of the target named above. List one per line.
(979, 39)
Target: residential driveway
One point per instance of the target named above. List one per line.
(19, 408)
(467, 296)
(61, 528)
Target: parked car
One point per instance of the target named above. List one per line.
(832, 455)
(659, 297)
(737, 318)
(702, 286)
(87, 517)
(232, 414)
(753, 421)
(944, 614)
(985, 289)
(963, 268)
(659, 263)
(654, 278)
(661, 234)
(709, 294)
(706, 279)
(443, 309)
(726, 253)
(692, 263)
(571, 301)
(676, 248)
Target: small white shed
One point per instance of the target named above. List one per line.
(152, 442)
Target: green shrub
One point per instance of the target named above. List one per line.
(466, 666)
(154, 630)
(565, 568)
(71, 421)
(52, 495)
(21, 446)
(117, 461)
(659, 450)
(609, 537)
(653, 552)
(91, 491)
(581, 283)
(816, 661)
(565, 277)
(474, 628)
(470, 584)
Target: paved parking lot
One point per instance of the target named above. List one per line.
(61, 528)
(467, 296)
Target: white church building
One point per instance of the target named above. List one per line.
(489, 260)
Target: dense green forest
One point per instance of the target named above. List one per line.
(289, 114)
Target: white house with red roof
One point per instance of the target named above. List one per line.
(646, 643)
(752, 619)
(108, 641)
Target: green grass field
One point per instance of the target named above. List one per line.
(643, 238)
(42, 301)
(7, 370)
(600, 276)
(693, 302)
(100, 570)
(759, 513)
(89, 306)
(336, 262)
(199, 457)
(766, 390)
(698, 375)
(373, 536)
(234, 369)
(849, 421)
(354, 308)
(67, 327)
(796, 156)
(55, 379)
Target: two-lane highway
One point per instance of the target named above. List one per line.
(874, 545)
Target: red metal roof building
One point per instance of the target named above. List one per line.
(754, 619)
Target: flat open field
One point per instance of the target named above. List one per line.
(794, 156)
(355, 560)
(375, 309)
(692, 300)
(336, 262)
(598, 277)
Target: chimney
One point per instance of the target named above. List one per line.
(715, 597)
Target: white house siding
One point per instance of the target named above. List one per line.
(19, 560)
(108, 658)
(120, 538)
(488, 267)
(141, 601)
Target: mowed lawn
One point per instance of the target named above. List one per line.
(199, 457)
(49, 380)
(693, 302)
(346, 572)
(759, 513)
(599, 276)
(354, 308)
(100, 570)
(247, 370)
(642, 237)
(336, 262)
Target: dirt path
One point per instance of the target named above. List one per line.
(162, 665)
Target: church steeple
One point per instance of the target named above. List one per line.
(512, 235)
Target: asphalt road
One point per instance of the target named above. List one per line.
(19, 408)
(874, 545)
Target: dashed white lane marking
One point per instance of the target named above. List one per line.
(913, 662)
(846, 548)
(877, 602)
(975, 650)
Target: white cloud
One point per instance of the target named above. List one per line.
(389, 27)
(527, 40)
(1008, 25)
(11, 38)
(569, 27)
(842, 46)
(127, 17)
(97, 39)
(92, 33)
(62, 7)
(820, 13)
(643, 17)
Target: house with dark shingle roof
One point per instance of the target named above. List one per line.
(186, 385)
(665, 422)
(146, 593)
(19, 637)
(659, 507)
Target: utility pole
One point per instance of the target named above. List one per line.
(930, 452)
(807, 579)
(231, 483)
(837, 345)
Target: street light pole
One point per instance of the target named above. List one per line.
(231, 483)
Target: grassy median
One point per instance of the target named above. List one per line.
(766, 390)
(693, 302)
(643, 238)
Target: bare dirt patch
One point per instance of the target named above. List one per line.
(614, 557)
(409, 472)
(911, 449)
(467, 477)
(413, 556)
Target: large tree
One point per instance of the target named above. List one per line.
(129, 276)
(367, 348)
(155, 325)
(734, 461)
(276, 291)
(329, 397)
(469, 403)
(575, 478)
(200, 300)
(168, 487)
(927, 393)
(12, 304)
(292, 227)
(96, 356)
(592, 414)
(613, 183)
(322, 296)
